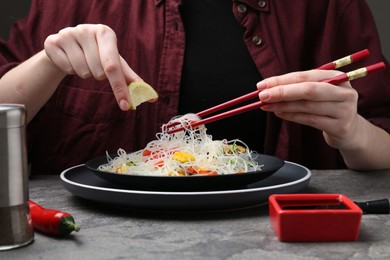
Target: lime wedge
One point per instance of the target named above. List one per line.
(141, 92)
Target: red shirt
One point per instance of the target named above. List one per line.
(82, 119)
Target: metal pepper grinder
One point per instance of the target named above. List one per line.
(15, 221)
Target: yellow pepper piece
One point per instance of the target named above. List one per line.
(183, 157)
(122, 169)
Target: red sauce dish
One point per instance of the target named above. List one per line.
(314, 217)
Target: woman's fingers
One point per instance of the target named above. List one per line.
(310, 91)
(300, 97)
(339, 103)
(75, 53)
(297, 77)
(57, 54)
(314, 91)
(112, 66)
(91, 50)
(87, 41)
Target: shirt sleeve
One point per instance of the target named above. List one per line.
(374, 90)
(28, 34)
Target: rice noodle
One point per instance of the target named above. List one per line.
(209, 154)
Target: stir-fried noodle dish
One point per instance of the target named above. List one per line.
(188, 152)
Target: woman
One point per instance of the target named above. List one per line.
(70, 63)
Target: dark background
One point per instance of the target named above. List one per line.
(11, 10)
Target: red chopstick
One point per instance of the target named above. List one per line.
(328, 66)
(349, 76)
(355, 74)
(345, 60)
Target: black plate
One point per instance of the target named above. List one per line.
(81, 182)
(188, 183)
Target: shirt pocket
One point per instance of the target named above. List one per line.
(90, 106)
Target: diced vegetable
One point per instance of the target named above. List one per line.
(234, 148)
(200, 170)
(183, 157)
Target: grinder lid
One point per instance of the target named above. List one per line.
(12, 115)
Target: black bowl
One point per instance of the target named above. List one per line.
(188, 183)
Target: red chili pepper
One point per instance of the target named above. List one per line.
(51, 221)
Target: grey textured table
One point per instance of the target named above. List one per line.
(113, 233)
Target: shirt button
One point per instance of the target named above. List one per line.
(261, 3)
(257, 40)
(241, 8)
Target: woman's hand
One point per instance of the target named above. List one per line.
(90, 50)
(301, 97)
